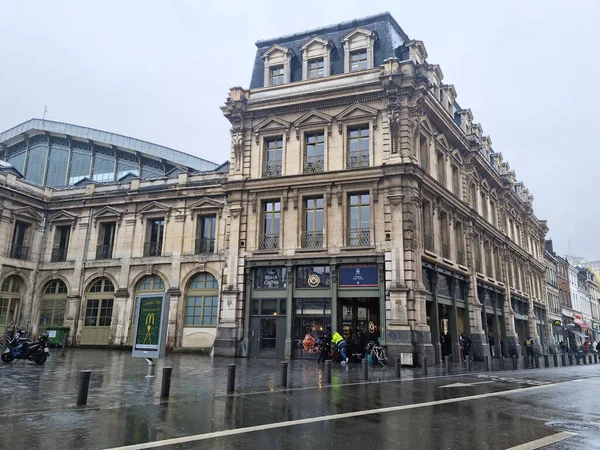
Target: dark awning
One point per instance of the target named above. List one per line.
(577, 333)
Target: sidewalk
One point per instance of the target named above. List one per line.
(118, 380)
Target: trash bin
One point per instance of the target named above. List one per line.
(56, 334)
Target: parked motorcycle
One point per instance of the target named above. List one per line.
(18, 346)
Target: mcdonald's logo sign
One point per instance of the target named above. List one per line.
(150, 319)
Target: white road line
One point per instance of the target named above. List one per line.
(289, 423)
(539, 443)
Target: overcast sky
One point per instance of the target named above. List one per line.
(158, 70)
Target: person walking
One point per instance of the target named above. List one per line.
(563, 347)
(465, 346)
(586, 346)
(338, 340)
(529, 348)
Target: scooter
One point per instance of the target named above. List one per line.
(20, 347)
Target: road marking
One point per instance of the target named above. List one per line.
(289, 423)
(539, 443)
(465, 384)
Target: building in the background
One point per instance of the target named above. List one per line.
(363, 196)
(553, 299)
(79, 255)
(58, 154)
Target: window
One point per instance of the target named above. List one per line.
(156, 228)
(455, 180)
(493, 219)
(269, 239)
(316, 68)
(277, 75)
(106, 240)
(424, 152)
(20, 248)
(311, 277)
(205, 242)
(477, 251)
(61, 243)
(427, 227)
(359, 213)
(441, 167)
(53, 304)
(445, 231)
(488, 252)
(314, 152)
(99, 307)
(497, 264)
(460, 246)
(313, 223)
(270, 278)
(473, 196)
(358, 147)
(202, 307)
(152, 283)
(358, 60)
(10, 300)
(311, 316)
(484, 210)
(273, 157)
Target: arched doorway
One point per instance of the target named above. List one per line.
(147, 285)
(201, 313)
(100, 298)
(54, 302)
(10, 301)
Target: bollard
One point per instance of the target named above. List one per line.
(424, 365)
(151, 368)
(230, 378)
(63, 345)
(590, 359)
(577, 359)
(83, 387)
(537, 361)
(570, 359)
(563, 359)
(546, 361)
(165, 385)
(284, 374)
(555, 358)
(447, 364)
(365, 368)
(327, 379)
(486, 364)
(398, 368)
(468, 361)
(595, 358)
(515, 362)
(501, 359)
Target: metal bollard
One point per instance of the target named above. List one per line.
(424, 365)
(578, 362)
(327, 379)
(555, 358)
(365, 368)
(63, 345)
(515, 362)
(486, 364)
(537, 361)
(151, 368)
(230, 378)
(468, 363)
(398, 368)
(447, 364)
(83, 387)
(546, 361)
(563, 359)
(165, 385)
(589, 359)
(570, 359)
(595, 358)
(501, 359)
(284, 374)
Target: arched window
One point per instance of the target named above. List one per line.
(10, 300)
(100, 298)
(202, 301)
(54, 302)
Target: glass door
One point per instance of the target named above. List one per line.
(268, 337)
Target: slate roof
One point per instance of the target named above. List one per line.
(389, 43)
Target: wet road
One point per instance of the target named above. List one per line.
(496, 410)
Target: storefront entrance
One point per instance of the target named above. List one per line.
(360, 314)
(264, 332)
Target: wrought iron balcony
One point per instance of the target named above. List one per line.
(205, 245)
(58, 254)
(19, 251)
(446, 251)
(358, 159)
(358, 237)
(104, 251)
(428, 242)
(153, 248)
(271, 169)
(269, 242)
(314, 164)
(312, 239)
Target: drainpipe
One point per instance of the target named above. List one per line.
(82, 276)
(36, 272)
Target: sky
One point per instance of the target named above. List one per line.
(158, 70)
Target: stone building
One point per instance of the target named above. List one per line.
(553, 296)
(364, 196)
(78, 253)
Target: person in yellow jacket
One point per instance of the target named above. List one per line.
(338, 340)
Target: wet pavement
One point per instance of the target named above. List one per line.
(511, 407)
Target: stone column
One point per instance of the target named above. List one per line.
(175, 320)
(479, 341)
(512, 339)
(454, 323)
(120, 318)
(529, 289)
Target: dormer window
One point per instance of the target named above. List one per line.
(315, 59)
(316, 68)
(358, 60)
(277, 66)
(277, 76)
(358, 50)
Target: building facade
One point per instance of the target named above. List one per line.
(553, 298)
(366, 197)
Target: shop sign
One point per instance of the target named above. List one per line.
(151, 319)
(578, 318)
(596, 326)
(362, 313)
(567, 313)
(359, 275)
(557, 322)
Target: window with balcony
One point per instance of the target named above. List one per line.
(314, 152)
(312, 237)
(441, 168)
(316, 68)
(460, 244)
(205, 242)
(269, 238)
(358, 60)
(61, 243)
(445, 231)
(276, 75)
(106, 240)
(19, 248)
(455, 181)
(273, 157)
(358, 146)
(155, 233)
(359, 219)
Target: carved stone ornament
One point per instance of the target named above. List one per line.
(395, 199)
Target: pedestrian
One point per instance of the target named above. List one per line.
(358, 343)
(338, 340)
(593, 346)
(501, 343)
(529, 348)
(492, 342)
(586, 346)
(563, 347)
(598, 347)
(465, 345)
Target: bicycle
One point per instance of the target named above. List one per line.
(376, 353)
